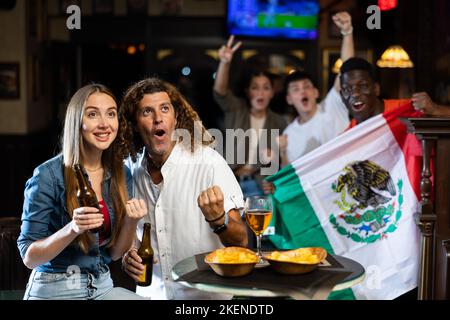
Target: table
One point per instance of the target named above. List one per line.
(188, 265)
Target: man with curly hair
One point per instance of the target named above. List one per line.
(192, 195)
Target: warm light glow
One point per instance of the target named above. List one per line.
(387, 4)
(161, 54)
(212, 53)
(248, 53)
(395, 57)
(131, 50)
(337, 66)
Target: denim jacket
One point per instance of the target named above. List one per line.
(45, 212)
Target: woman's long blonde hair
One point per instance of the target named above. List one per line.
(73, 151)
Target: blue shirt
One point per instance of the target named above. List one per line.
(45, 212)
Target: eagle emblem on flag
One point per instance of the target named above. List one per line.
(369, 206)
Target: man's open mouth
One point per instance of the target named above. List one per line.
(357, 106)
(305, 101)
(160, 132)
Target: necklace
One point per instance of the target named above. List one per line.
(152, 163)
(93, 170)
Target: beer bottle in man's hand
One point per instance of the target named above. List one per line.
(146, 253)
(85, 194)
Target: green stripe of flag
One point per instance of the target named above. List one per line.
(296, 224)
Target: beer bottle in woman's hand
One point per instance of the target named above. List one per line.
(146, 253)
(85, 194)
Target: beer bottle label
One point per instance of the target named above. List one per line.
(142, 277)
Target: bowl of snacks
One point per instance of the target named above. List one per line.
(298, 261)
(232, 261)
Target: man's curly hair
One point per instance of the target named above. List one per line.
(185, 115)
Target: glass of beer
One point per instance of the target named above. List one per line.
(258, 212)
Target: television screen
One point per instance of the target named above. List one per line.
(294, 19)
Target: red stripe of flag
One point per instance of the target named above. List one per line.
(408, 143)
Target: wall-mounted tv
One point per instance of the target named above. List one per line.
(293, 19)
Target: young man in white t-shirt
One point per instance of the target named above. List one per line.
(316, 123)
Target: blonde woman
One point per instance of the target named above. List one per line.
(69, 262)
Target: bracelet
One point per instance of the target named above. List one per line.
(350, 31)
(226, 220)
(218, 218)
(223, 227)
(220, 229)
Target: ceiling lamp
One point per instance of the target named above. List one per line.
(131, 50)
(385, 5)
(395, 57)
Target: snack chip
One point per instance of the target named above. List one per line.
(301, 255)
(233, 255)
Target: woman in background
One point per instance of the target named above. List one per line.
(250, 113)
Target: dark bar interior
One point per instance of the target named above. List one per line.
(49, 51)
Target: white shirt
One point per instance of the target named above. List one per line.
(179, 229)
(330, 120)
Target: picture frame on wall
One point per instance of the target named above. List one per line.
(137, 7)
(103, 7)
(9, 80)
(329, 68)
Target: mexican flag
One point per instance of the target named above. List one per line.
(356, 196)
